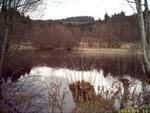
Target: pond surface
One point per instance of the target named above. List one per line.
(125, 63)
(55, 81)
(48, 75)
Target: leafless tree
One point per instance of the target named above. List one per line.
(144, 25)
(6, 14)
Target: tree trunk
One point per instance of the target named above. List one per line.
(144, 42)
(3, 46)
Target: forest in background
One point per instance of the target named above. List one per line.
(116, 31)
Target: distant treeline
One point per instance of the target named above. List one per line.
(110, 32)
(78, 20)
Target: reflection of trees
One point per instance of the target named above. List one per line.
(23, 96)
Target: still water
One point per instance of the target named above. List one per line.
(48, 74)
(55, 81)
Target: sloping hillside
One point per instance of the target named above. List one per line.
(110, 32)
(44, 34)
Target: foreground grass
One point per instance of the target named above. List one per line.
(94, 107)
(100, 107)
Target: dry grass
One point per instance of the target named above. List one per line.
(110, 51)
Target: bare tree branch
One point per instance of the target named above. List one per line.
(129, 2)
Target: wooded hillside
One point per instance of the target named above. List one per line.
(110, 32)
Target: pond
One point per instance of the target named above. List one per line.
(55, 82)
(47, 83)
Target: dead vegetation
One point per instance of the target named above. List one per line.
(118, 98)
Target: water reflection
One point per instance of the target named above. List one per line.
(116, 64)
(57, 95)
(50, 72)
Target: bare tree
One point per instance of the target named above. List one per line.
(144, 24)
(6, 8)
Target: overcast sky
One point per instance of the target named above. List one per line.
(58, 9)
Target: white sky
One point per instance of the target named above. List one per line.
(58, 9)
